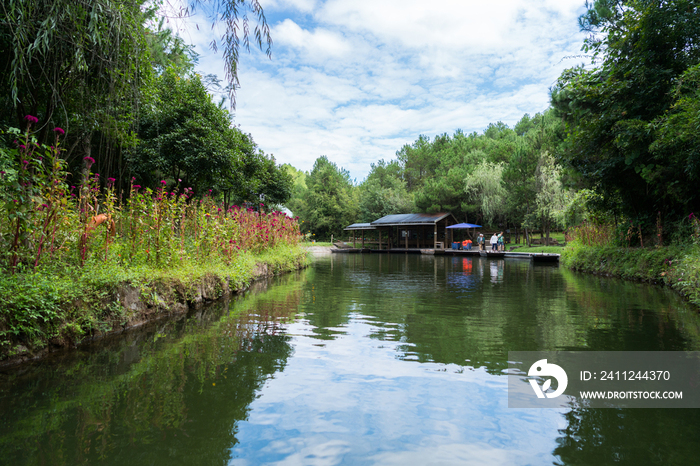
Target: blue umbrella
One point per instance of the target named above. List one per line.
(464, 225)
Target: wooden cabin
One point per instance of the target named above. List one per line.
(405, 231)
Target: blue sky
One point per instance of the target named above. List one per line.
(355, 80)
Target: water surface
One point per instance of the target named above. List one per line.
(360, 359)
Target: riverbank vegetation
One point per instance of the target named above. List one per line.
(119, 174)
(69, 251)
(596, 249)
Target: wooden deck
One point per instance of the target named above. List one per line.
(537, 258)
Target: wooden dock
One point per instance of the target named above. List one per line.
(536, 258)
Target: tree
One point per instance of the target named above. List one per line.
(79, 65)
(537, 136)
(51, 50)
(188, 140)
(255, 178)
(617, 111)
(184, 136)
(384, 193)
(296, 202)
(484, 187)
(330, 202)
(445, 191)
(552, 198)
(87, 66)
(418, 161)
(677, 144)
(234, 15)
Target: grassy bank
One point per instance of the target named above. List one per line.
(675, 266)
(62, 306)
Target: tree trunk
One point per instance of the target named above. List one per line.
(527, 237)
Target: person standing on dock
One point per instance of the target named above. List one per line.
(494, 242)
(501, 243)
(480, 241)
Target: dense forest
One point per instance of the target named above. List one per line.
(123, 88)
(617, 153)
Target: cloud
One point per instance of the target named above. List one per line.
(357, 80)
(317, 43)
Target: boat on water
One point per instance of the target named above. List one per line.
(545, 258)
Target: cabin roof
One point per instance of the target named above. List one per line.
(412, 219)
(360, 226)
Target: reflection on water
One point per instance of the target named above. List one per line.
(361, 359)
(171, 394)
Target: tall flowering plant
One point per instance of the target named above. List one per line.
(36, 197)
(42, 220)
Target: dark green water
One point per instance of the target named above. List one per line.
(361, 359)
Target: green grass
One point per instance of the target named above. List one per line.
(559, 236)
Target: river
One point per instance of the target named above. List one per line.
(357, 360)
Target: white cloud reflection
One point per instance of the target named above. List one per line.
(329, 406)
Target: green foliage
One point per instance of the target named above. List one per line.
(646, 264)
(55, 50)
(684, 275)
(255, 177)
(383, 193)
(167, 50)
(418, 160)
(184, 136)
(552, 198)
(58, 303)
(630, 118)
(485, 187)
(494, 177)
(89, 67)
(187, 140)
(30, 307)
(330, 202)
(677, 144)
